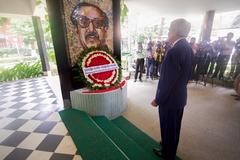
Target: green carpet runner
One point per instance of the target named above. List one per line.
(98, 138)
(127, 145)
(90, 140)
(143, 140)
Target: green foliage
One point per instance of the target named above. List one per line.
(141, 37)
(21, 71)
(6, 52)
(38, 2)
(24, 28)
(46, 28)
(45, 21)
(124, 11)
(51, 55)
(3, 20)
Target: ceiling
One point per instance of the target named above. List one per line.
(17, 7)
(182, 7)
(166, 7)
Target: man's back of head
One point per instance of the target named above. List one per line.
(179, 28)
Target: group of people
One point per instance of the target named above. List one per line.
(182, 62)
(211, 59)
(151, 57)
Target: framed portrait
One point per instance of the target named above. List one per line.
(88, 23)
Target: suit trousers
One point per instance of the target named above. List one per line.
(170, 124)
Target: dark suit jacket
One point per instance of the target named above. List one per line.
(175, 73)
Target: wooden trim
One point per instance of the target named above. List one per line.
(116, 29)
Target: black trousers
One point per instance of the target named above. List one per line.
(235, 65)
(139, 68)
(170, 124)
(212, 64)
(156, 69)
(207, 64)
(222, 62)
(199, 68)
(237, 71)
(194, 65)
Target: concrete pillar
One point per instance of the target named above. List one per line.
(41, 44)
(207, 26)
(57, 30)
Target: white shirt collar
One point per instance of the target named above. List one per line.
(178, 40)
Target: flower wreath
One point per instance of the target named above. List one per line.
(99, 68)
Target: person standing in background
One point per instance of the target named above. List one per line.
(209, 54)
(139, 62)
(167, 46)
(217, 47)
(150, 60)
(224, 56)
(193, 45)
(195, 49)
(235, 65)
(159, 56)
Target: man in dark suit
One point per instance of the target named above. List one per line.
(171, 96)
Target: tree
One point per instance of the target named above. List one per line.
(24, 28)
(124, 11)
(3, 20)
(141, 37)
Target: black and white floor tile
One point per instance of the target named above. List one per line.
(30, 126)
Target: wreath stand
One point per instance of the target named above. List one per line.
(110, 103)
(106, 94)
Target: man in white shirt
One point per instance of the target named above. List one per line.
(139, 62)
(224, 56)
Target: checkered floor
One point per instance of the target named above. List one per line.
(30, 126)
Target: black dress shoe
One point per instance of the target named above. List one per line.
(158, 152)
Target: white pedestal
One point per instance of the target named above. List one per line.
(110, 103)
